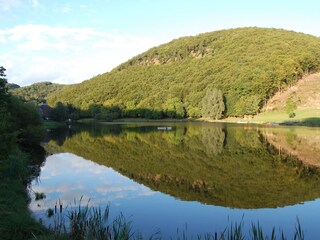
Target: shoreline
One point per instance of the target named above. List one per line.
(295, 123)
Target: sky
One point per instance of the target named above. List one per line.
(74, 40)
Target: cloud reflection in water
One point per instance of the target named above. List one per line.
(67, 177)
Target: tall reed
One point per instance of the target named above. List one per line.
(92, 223)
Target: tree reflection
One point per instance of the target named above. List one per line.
(213, 139)
(220, 165)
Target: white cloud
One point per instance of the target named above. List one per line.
(61, 54)
(65, 9)
(3, 40)
(9, 4)
(109, 189)
(35, 4)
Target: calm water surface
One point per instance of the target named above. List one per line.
(169, 176)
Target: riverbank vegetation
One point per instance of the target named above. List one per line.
(20, 160)
(84, 222)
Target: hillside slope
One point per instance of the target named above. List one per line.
(249, 65)
(37, 92)
(305, 94)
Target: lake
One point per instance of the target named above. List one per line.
(194, 177)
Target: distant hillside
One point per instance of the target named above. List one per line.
(305, 94)
(249, 65)
(12, 86)
(37, 92)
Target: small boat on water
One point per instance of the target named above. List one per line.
(164, 128)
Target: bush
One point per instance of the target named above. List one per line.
(292, 115)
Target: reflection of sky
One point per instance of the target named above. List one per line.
(68, 177)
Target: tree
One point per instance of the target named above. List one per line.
(3, 81)
(291, 106)
(19, 122)
(213, 139)
(59, 112)
(6, 135)
(174, 108)
(248, 105)
(212, 104)
(25, 121)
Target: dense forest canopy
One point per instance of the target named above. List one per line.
(37, 92)
(248, 65)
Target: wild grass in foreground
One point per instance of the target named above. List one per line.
(84, 222)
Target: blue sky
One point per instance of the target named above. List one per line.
(71, 41)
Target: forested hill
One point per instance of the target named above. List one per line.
(248, 65)
(36, 92)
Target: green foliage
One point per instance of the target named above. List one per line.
(59, 112)
(292, 115)
(15, 173)
(25, 121)
(290, 107)
(174, 108)
(37, 92)
(39, 196)
(213, 140)
(50, 212)
(212, 104)
(12, 86)
(248, 65)
(3, 81)
(19, 123)
(108, 114)
(248, 105)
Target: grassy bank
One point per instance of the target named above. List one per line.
(303, 117)
(53, 124)
(16, 221)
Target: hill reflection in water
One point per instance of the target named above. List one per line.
(202, 175)
(221, 165)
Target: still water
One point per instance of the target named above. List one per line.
(194, 177)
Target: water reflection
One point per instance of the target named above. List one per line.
(67, 177)
(216, 165)
(219, 165)
(213, 139)
(303, 143)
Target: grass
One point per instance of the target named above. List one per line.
(132, 120)
(52, 124)
(151, 120)
(304, 117)
(280, 116)
(86, 222)
(309, 122)
(86, 120)
(39, 196)
(16, 221)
